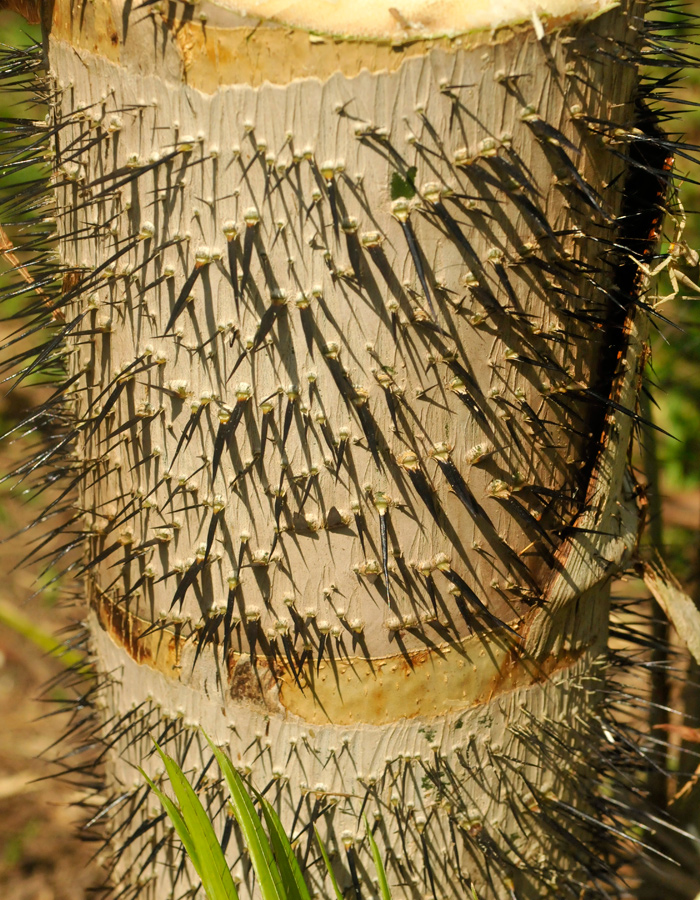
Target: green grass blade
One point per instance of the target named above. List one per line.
(16, 620)
(329, 867)
(378, 864)
(178, 823)
(292, 879)
(215, 873)
(257, 842)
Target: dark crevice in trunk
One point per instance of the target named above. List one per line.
(640, 222)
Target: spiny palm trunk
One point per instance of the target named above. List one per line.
(355, 340)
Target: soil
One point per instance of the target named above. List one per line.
(41, 855)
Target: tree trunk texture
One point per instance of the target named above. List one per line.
(355, 339)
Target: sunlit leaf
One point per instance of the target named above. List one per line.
(404, 187)
(213, 868)
(378, 864)
(329, 867)
(256, 840)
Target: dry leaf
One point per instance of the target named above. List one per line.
(680, 609)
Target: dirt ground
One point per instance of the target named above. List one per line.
(41, 857)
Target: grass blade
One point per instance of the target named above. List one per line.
(178, 823)
(16, 620)
(261, 854)
(214, 871)
(378, 864)
(329, 867)
(292, 879)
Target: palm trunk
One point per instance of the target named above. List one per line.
(356, 316)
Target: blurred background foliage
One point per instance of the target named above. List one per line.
(674, 369)
(676, 350)
(41, 857)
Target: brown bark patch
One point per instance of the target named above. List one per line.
(125, 629)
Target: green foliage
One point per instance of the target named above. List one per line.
(329, 868)
(384, 891)
(404, 187)
(16, 103)
(676, 348)
(196, 832)
(11, 617)
(271, 852)
(267, 867)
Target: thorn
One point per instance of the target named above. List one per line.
(202, 259)
(400, 211)
(228, 422)
(381, 502)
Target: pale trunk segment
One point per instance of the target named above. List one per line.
(337, 420)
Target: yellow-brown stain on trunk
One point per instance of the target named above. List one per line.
(94, 29)
(428, 683)
(213, 57)
(160, 649)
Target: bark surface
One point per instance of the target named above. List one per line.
(356, 355)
